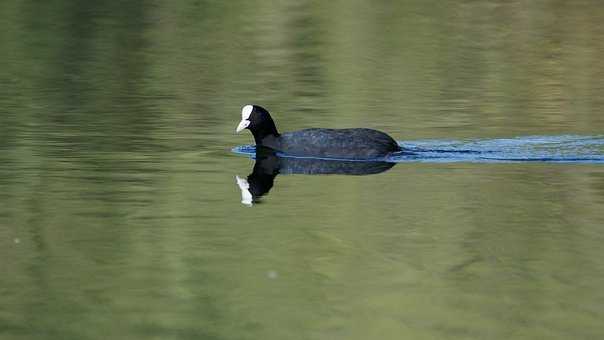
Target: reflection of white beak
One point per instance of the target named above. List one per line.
(242, 125)
(246, 195)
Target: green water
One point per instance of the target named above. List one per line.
(120, 217)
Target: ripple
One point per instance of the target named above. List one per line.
(545, 149)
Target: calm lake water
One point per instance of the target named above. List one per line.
(120, 215)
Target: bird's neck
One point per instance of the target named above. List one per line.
(266, 135)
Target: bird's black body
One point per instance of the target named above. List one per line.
(338, 143)
(358, 144)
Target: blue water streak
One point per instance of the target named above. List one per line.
(545, 149)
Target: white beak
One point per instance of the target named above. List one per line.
(242, 125)
(246, 195)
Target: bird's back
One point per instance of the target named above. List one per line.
(358, 143)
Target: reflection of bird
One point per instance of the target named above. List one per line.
(361, 143)
(268, 165)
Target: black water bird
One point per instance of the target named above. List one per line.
(351, 144)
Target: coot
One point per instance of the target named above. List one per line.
(354, 144)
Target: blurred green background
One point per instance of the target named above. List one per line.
(119, 213)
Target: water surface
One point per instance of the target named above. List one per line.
(120, 216)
